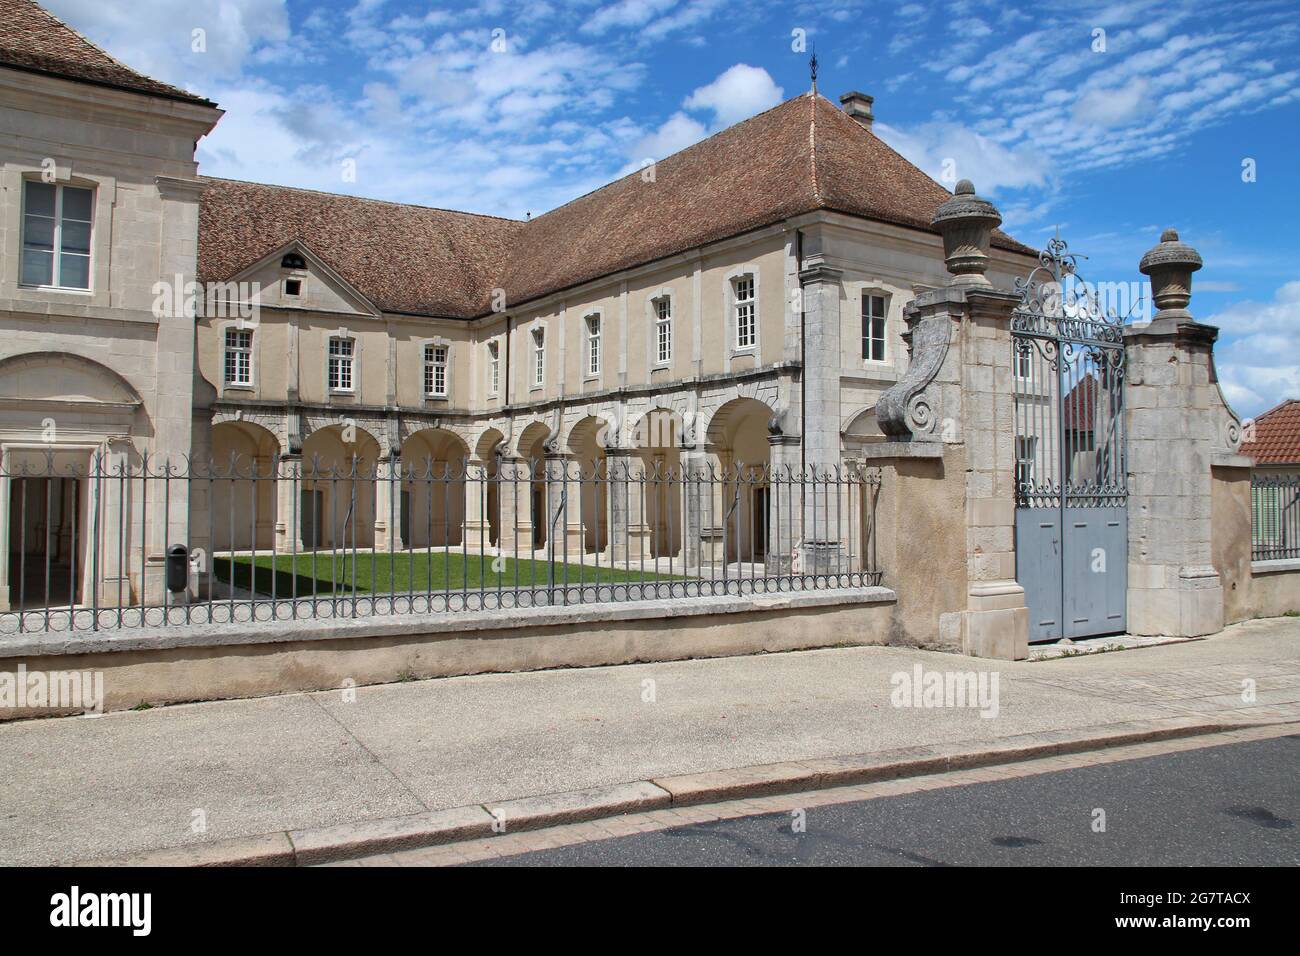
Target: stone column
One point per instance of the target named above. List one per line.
(514, 490)
(692, 505)
(785, 504)
(477, 523)
(288, 501)
(821, 395)
(388, 503)
(112, 511)
(557, 472)
(1178, 425)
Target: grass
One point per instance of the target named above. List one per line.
(327, 573)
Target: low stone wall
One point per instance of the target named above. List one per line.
(174, 665)
(1274, 588)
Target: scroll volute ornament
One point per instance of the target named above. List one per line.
(966, 223)
(1170, 265)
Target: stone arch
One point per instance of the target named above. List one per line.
(27, 377)
(532, 447)
(431, 507)
(586, 445)
(861, 428)
(243, 486)
(657, 438)
(487, 453)
(737, 436)
(338, 487)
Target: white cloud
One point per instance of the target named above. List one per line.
(991, 166)
(1258, 359)
(677, 132)
(1112, 107)
(234, 32)
(625, 14)
(737, 94)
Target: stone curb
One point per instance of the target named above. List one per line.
(367, 837)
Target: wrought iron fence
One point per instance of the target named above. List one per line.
(99, 541)
(1274, 517)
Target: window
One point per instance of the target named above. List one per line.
(239, 356)
(593, 345)
(663, 330)
(56, 235)
(494, 368)
(1023, 359)
(435, 371)
(293, 287)
(539, 357)
(742, 291)
(1025, 449)
(873, 328)
(340, 365)
(293, 260)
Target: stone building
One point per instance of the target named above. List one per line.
(738, 304)
(99, 201)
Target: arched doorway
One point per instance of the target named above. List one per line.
(242, 513)
(432, 505)
(532, 449)
(337, 497)
(590, 471)
(487, 455)
(657, 439)
(737, 434)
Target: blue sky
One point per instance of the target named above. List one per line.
(510, 108)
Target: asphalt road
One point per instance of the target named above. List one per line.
(1228, 805)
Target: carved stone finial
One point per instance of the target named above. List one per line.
(1170, 265)
(966, 223)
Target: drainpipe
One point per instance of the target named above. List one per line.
(508, 337)
(803, 312)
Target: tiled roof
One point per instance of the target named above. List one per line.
(803, 155)
(32, 39)
(402, 258)
(1277, 435)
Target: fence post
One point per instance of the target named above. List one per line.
(785, 490)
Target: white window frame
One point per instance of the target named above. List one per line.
(352, 365)
(593, 358)
(537, 377)
(431, 364)
(1016, 363)
(661, 328)
(227, 350)
(494, 368)
(748, 271)
(56, 268)
(866, 333)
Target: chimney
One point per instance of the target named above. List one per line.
(858, 105)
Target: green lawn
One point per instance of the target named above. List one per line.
(326, 573)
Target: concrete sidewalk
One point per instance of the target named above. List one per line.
(77, 789)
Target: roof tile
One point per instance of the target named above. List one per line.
(1277, 435)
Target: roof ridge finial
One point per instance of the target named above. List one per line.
(812, 68)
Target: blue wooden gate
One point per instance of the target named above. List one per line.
(1071, 490)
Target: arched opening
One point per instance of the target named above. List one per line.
(243, 502)
(737, 434)
(337, 496)
(532, 449)
(432, 505)
(487, 452)
(657, 439)
(591, 472)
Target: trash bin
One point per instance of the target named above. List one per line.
(178, 568)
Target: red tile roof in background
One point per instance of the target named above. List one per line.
(1277, 435)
